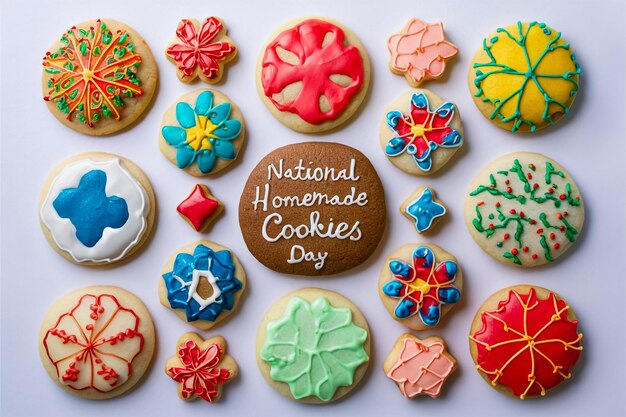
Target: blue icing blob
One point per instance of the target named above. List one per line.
(451, 269)
(449, 295)
(425, 253)
(404, 308)
(434, 313)
(392, 288)
(400, 268)
(89, 209)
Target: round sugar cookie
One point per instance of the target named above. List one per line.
(525, 341)
(96, 208)
(202, 132)
(313, 74)
(524, 209)
(524, 77)
(419, 284)
(313, 346)
(97, 342)
(313, 208)
(99, 77)
(202, 283)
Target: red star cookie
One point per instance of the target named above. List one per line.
(200, 208)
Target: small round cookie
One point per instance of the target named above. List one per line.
(524, 209)
(97, 342)
(420, 132)
(420, 51)
(200, 209)
(313, 346)
(96, 208)
(524, 77)
(419, 284)
(201, 50)
(423, 209)
(419, 366)
(201, 367)
(99, 77)
(525, 341)
(313, 208)
(202, 132)
(313, 74)
(202, 283)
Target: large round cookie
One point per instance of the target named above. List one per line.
(99, 77)
(524, 209)
(97, 342)
(312, 208)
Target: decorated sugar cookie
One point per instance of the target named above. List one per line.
(525, 340)
(202, 283)
(419, 284)
(96, 208)
(419, 367)
(420, 51)
(99, 77)
(524, 209)
(313, 346)
(420, 132)
(97, 342)
(524, 77)
(312, 208)
(201, 367)
(202, 132)
(423, 209)
(313, 74)
(200, 208)
(201, 50)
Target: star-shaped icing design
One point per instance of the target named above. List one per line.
(200, 207)
(423, 209)
(89, 208)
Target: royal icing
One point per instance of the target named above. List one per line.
(94, 344)
(530, 75)
(320, 53)
(422, 131)
(217, 268)
(92, 73)
(423, 286)
(423, 210)
(204, 133)
(420, 51)
(197, 49)
(95, 210)
(527, 344)
(314, 347)
(198, 207)
(421, 368)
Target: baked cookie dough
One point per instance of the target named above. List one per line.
(525, 340)
(524, 209)
(200, 208)
(419, 367)
(524, 77)
(96, 208)
(202, 283)
(419, 284)
(313, 346)
(97, 342)
(420, 132)
(423, 209)
(201, 367)
(202, 132)
(313, 208)
(201, 50)
(99, 77)
(313, 74)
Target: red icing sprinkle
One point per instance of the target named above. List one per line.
(529, 176)
(552, 236)
(497, 204)
(525, 248)
(550, 190)
(491, 225)
(481, 203)
(565, 213)
(556, 246)
(534, 256)
(509, 190)
(562, 228)
(532, 222)
(507, 182)
(535, 185)
(539, 231)
(521, 214)
(198, 207)
(514, 251)
(559, 216)
(562, 197)
(506, 236)
(512, 211)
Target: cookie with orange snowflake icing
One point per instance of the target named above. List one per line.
(525, 340)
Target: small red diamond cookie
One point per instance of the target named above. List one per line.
(200, 208)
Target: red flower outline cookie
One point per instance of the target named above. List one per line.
(200, 208)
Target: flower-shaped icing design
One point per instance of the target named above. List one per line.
(419, 51)
(93, 345)
(89, 208)
(204, 134)
(424, 210)
(182, 283)
(422, 131)
(200, 49)
(422, 287)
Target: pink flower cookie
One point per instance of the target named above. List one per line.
(419, 51)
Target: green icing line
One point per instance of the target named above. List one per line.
(546, 248)
(514, 258)
(517, 168)
(550, 171)
(544, 219)
(570, 231)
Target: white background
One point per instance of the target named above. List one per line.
(589, 143)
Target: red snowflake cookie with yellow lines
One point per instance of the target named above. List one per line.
(525, 340)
